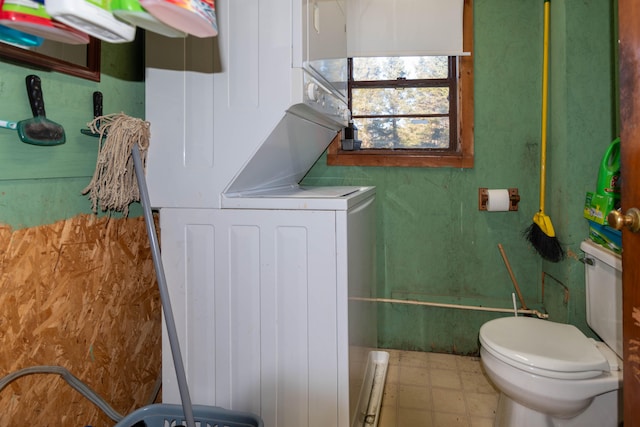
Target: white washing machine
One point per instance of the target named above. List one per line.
(261, 297)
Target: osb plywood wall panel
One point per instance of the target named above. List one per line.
(81, 294)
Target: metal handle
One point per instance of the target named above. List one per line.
(631, 220)
(588, 261)
(169, 320)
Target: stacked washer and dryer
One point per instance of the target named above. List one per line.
(262, 271)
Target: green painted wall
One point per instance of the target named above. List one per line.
(433, 243)
(40, 185)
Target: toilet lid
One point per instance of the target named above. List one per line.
(542, 345)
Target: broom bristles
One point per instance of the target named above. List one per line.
(548, 247)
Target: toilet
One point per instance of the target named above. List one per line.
(552, 375)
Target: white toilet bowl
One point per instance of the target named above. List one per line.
(550, 374)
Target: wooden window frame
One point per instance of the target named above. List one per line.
(462, 158)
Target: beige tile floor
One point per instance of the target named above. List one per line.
(436, 390)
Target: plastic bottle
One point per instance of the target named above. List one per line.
(607, 196)
(609, 173)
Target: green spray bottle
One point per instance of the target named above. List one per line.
(609, 175)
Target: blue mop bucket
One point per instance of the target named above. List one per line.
(167, 415)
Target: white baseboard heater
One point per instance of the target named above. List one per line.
(370, 399)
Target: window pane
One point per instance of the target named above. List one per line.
(396, 101)
(398, 133)
(409, 67)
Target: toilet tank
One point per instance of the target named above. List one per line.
(603, 280)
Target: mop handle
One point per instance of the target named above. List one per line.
(162, 285)
(545, 104)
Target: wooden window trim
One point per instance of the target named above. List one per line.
(464, 158)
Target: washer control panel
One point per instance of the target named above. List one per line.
(318, 97)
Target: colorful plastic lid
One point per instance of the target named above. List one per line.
(131, 12)
(195, 17)
(93, 19)
(548, 348)
(18, 38)
(31, 17)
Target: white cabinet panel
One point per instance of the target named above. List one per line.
(260, 300)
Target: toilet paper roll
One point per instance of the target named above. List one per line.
(498, 200)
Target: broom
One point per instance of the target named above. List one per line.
(541, 234)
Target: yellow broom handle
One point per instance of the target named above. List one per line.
(545, 102)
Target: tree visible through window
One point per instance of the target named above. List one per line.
(412, 111)
(404, 103)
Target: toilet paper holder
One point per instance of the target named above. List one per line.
(483, 199)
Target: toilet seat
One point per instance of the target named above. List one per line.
(543, 347)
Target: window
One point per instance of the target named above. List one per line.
(411, 111)
(404, 103)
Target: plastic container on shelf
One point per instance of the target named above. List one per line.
(132, 12)
(606, 198)
(605, 236)
(609, 173)
(31, 17)
(92, 17)
(19, 38)
(195, 17)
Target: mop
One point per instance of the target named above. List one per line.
(117, 182)
(123, 140)
(113, 186)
